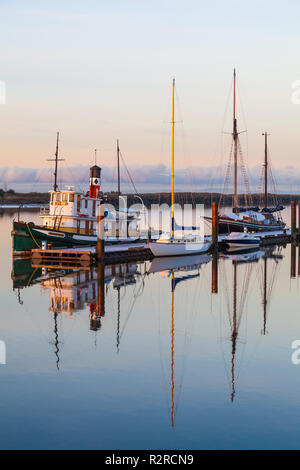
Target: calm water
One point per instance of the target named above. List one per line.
(110, 365)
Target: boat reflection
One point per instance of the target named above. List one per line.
(94, 290)
(168, 267)
(241, 282)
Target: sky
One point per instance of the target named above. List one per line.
(100, 70)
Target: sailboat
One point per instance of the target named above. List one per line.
(167, 244)
(248, 218)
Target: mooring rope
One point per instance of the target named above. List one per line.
(33, 237)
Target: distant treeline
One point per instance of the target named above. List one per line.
(201, 198)
(11, 197)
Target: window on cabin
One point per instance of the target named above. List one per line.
(78, 203)
(58, 197)
(86, 227)
(65, 197)
(71, 197)
(78, 226)
(94, 208)
(51, 197)
(86, 203)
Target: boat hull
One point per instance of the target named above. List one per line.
(27, 236)
(178, 248)
(242, 244)
(226, 226)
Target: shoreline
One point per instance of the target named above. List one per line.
(35, 200)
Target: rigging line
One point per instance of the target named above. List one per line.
(186, 150)
(188, 339)
(128, 316)
(73, 179)
(162, 144)
(217, 170)
(245, 122)
(227, 175)
(127, 171)
(35, 322)
(241, 104)
(245, 175)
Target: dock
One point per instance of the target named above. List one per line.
(124, 252)
(86, 256)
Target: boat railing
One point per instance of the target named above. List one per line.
(44, 210)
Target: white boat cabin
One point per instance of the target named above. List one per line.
(74, 212)
(71, 211)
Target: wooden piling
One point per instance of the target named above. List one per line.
(214, 272)
(100, 232)
(293, 220)
(293, 260)
(100, 290)
(214, 224)
(298, 231)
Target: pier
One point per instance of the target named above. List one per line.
(138, 250)
(83, 256)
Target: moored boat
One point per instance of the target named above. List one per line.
(71, 219)
(178, 247)
(168, 244)
(252, 219)
(238, 240)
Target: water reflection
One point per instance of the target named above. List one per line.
(233, 275)
(236, 291)
(176, 268)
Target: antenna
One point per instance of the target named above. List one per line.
(56, 160)
(95, 156)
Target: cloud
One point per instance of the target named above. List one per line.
(147, 174)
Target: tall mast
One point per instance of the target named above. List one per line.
(56, 342)
(265, 296)
(172, 175)
(234, 329)
(118, 322)
(118, 161)
(172, 350)
(266, 170)
(235, 142)
(56, 160)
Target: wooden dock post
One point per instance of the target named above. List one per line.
(100, 232)
(97, 308)
(298, 231)
(293, 220)
(214, 229)
(214, 272)
(293, 260)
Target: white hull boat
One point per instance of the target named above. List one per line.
(178, 247)
(240, 240)
(178, 263)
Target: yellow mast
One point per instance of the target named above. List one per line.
(172, 351)
(172, 175)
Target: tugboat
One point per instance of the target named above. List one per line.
(71, 218)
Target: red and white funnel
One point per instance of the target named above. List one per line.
(95, 179)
